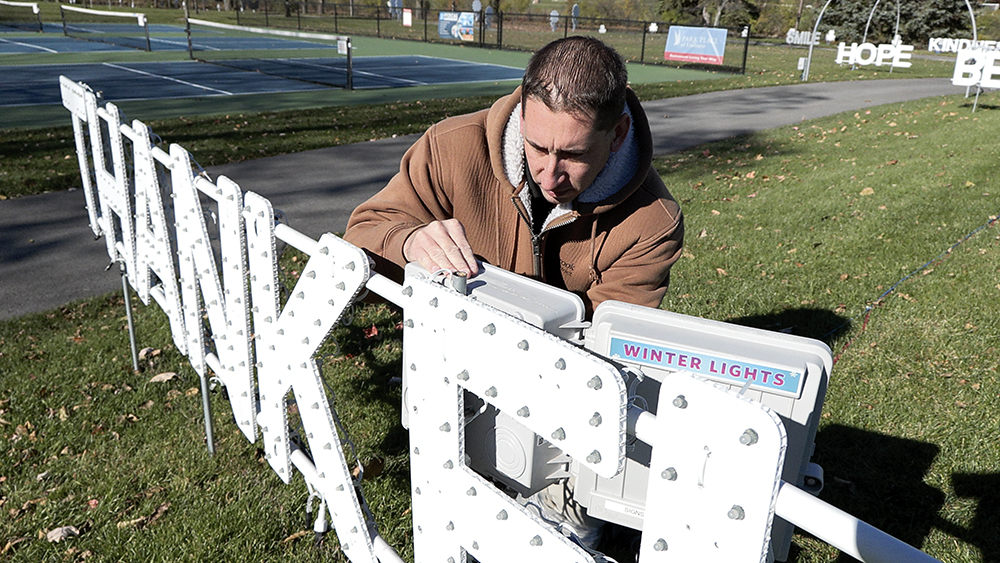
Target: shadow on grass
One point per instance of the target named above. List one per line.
(985, 488)
(979, 107)
(820, 324)
(880, 480)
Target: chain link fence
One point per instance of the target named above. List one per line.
(637, 41)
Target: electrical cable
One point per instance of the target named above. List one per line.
(877, 302)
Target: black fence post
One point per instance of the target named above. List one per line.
(499, 30)
(642, 53)
(425, 5)
(378, 21)
(565, 27)
(336, 23)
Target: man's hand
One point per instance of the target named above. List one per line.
(441, 245)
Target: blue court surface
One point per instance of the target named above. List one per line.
(39, 84)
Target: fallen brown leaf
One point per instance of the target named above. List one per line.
(165, 376)
(60, 534)
(129, 523)
(12, 544)
(159, 512)
(295, 536)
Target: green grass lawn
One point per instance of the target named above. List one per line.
(802, 229)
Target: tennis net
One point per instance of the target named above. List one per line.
(126, 29)
(316, 58)
(20, 15)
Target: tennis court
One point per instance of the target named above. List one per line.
(39, 84)
(247, 63)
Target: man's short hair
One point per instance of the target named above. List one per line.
(578, 75)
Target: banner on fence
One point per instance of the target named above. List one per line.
(457, 25)
(705, 45)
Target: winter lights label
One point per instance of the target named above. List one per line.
(773, 379)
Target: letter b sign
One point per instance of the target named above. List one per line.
(975, 66)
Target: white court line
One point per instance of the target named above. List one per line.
(183, 43)
(30, 46)
(388, 78)
(459, 61)
(179, 81)
(86, 30)
(303, 62)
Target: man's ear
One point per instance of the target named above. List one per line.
(621, 131)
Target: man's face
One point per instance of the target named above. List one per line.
(565, 151)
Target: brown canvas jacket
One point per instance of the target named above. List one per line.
(620, 247)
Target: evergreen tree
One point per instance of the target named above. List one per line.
(917, 21)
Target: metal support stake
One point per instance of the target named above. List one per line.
(746, 48)
(128, 315)
(206, 406)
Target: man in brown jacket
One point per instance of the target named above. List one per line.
(553, 181)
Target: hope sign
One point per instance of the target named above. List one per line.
(866, 54)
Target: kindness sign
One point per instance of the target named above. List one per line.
(705, 45)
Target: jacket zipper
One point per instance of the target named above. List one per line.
(536, 240)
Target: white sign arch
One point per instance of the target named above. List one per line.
(805, 71)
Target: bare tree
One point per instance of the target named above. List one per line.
(716, 6)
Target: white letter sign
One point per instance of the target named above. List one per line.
(867, 54)
(976, 67)
(477, 364)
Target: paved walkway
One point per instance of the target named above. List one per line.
(48, 256)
